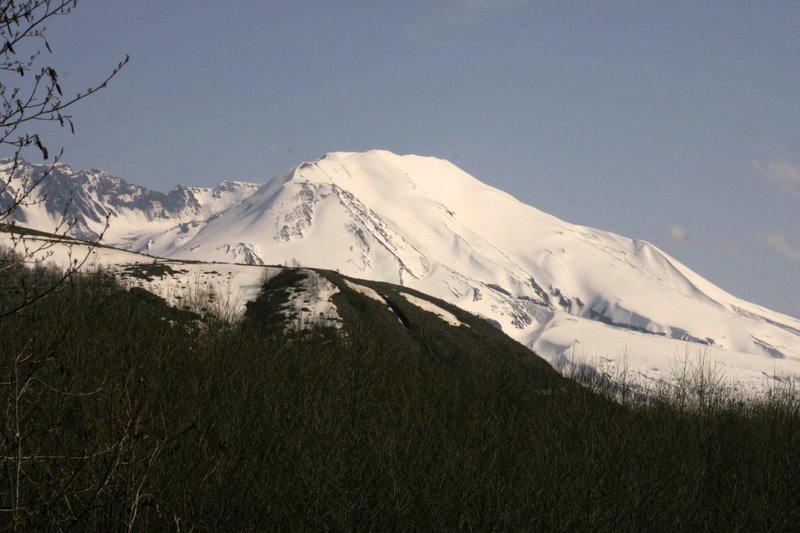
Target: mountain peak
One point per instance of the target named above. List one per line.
(7, 162)
(389, 174)
(422, 222)
(374, 153)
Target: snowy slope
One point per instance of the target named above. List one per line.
(81, 201)
(223, 289)
(562, 289)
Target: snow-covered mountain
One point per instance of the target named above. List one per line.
(564, 290)
(83, 199)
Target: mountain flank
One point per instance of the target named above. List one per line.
(568, 292)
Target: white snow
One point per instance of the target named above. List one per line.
(569, 339)
(222, 289)
(310, 303)
(218, 288)
(424, 223)
(430, 307)
(366, 291)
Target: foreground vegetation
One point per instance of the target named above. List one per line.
(121, 413)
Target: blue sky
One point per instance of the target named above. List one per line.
(673, 122)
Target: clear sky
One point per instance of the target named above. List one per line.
(673, 122)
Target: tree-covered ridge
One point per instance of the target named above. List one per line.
(120, 411)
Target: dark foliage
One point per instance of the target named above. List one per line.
(120, 412)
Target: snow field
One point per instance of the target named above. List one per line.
(425, 305)
(310, 303)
